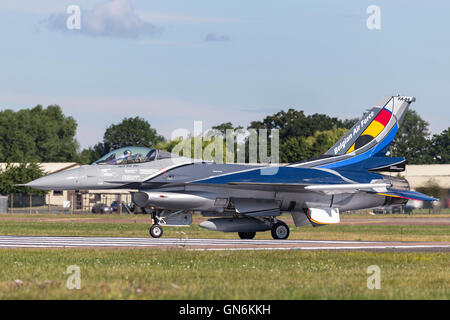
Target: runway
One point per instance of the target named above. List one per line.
(213, 244)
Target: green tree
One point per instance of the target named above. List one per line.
(440, 147)
(12, 174)
(88, 156)
(223, 127)
(168, 145)
(433, 188)
(37, 135)
(299, 148)
(412, 140)
(234, 141)
(297, 133)
(294, 149)
(294, 123)
(130, 132)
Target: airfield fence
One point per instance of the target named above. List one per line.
(70, 203)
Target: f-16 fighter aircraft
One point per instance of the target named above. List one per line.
(246, 198)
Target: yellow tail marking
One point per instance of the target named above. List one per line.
(373, 129)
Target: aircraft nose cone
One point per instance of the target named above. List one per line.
(56, 181)
(44, 183)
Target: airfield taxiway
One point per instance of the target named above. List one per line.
(213, 244)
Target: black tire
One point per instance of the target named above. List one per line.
(156, 231)
(280, 231)
(246, 235)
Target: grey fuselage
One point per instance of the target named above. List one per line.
(176, 184)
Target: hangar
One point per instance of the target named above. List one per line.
(430, 176)
(424, 174)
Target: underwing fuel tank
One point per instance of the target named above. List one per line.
(235, 225)
(175, 200)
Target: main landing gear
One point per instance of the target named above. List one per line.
(279, 230)
(246, 235)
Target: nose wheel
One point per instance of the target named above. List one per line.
(156, 231)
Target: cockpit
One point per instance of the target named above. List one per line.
(129, 155)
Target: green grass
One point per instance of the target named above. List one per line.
(140, 229)
(181, 274)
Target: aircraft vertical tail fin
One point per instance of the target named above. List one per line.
(375, 130)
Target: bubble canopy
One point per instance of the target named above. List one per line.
(129, 155)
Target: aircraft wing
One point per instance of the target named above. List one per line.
(324, 188)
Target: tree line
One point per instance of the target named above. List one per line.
(47, 135)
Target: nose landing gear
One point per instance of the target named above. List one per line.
(156, 231)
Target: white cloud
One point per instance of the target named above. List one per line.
(115, 18)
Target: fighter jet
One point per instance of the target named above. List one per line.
(245, 198)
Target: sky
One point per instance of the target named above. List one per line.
(173, 62)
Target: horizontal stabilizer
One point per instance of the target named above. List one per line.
(407, 194)
(388, 164)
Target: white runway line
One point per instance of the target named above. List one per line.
(110, 241)
(331, 248)
(208, 244)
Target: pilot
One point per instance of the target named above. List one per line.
(127, 153)
(126, 156)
